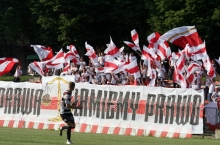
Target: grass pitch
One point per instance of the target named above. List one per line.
(15, 136)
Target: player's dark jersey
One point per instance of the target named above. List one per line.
(66, 99)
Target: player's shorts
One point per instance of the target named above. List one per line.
(68, 117)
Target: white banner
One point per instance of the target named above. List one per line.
(127, 110)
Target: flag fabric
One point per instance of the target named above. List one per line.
(163, 50)
(133, 69)
(91, 53)
(38, 67)
(135, 37)
(209, 67)
(181, 36)
(59, 57)
(193, 67)
(44, 53)
(110, 64)
(146, 52)
(6, 64)
(72, 48)
(180, 63)
(198, 52)
(70, 56)
(113, 50)
(218, 61)
(132, 46)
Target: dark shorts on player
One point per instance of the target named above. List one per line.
(67, 117)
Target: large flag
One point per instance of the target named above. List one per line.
(209, 67)
(183, 35)
(44, 53)
(6, 64)
(135, 37)
(113, 50)
(91, 53)
(70, 56)
(38, 67)
(72, 48)
(56, 62)
(133, 69)
(110, 64)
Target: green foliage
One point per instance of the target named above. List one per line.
(59, 23)
(168, 14)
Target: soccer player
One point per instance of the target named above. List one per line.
(65, 111)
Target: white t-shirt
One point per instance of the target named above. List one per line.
(211, 88)
(132, 58)
(82, 65)
(101, 60)
(18, 73)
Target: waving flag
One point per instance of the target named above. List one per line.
(113, 50)
(180, 63)
(218, 61)
(38, 67)
(193, 67)
(132, 46)
(56, 62)
(198, 52)
(209, 67)
(135, 37)
(72, 48)
(146, 52)
(183, 35)
(179, 78)
(44, 53)
(163, 49)
(91, 53)
(6, 64)
(70, 56)
(133, 69)
(110, 64)
(59, 57)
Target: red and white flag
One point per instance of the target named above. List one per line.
(132, 46)
(38, 67)
(133, 69)
(72, 48)
(70, 56)
(135, 37)
(190, 78)
(6, 64)
(58, 58)
(179, 78)
(44, 53)
(110, 64)
(180, 63)
(198, 52)
(153, 78)
(113, 50)
(146, 52)
(183, 35)
(91, 53)
(66, 68)
(193, 67)
(209, 67)
(163, 49)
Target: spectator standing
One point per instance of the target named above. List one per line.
(17, 74)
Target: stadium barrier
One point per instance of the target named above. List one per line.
(122, 110)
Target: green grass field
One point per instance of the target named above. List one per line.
(15, 136)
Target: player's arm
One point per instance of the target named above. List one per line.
(73, 106)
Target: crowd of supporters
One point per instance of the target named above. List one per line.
(93, 73)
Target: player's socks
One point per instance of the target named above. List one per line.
(61, 130)
(69, 133)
